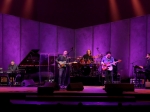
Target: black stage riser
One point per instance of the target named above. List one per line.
(87, 80)
(83, 99)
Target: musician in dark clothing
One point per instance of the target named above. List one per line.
(12, 66)
(88, 58)
(62, 67)
(86, 62)
(147, 67)
(13, 71)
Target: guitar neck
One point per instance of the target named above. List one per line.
(114, 63)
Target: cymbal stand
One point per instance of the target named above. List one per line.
(100, 58)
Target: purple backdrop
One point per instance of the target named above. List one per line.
(101, 39)
(137, 42)
(48, 38)
(29, 36)
(66, 41)
(120, 45)
(11, 40)
(1, 64)
(148, 34)
(84, 40)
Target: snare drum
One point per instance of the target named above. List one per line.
(75, 66)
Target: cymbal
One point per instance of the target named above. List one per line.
(79, 57)
(71, 57)
(98, 56)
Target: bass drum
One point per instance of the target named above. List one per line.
(86, 70)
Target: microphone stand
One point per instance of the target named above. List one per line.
(99, 72)
(132, 64)
(70, 52)
(69, 67)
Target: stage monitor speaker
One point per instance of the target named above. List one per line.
(28, 83)
(118, 88)
(48, 88)
(75, 86)
(52, 84)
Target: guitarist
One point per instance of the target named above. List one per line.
(106, 60)
(61, 60)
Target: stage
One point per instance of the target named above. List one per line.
(99, 90)
(89, 93)
(91, 96)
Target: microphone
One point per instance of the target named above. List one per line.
(97, 48)
(72, 48)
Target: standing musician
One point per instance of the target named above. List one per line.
(107, 62)
(147, 67)
(62, 66)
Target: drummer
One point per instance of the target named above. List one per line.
(87, 58)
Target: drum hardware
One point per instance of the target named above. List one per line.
(81, 67)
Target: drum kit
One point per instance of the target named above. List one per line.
(80, 67)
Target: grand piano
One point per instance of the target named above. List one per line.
(29, 65)
(38, 66)
(31, 62)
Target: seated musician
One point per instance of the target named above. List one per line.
(147, 67)
(12, 70)
(88, 58)
(108, 70)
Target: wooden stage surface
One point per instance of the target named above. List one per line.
(87, 89)
(91, 95)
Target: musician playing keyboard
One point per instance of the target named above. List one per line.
(62, 66)
(108, 69)
(146, 68)
(12, 70)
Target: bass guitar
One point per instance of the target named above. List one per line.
(108, 66)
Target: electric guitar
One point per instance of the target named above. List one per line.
(108, 66)
(62, 64)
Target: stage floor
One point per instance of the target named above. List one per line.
(87, 89)
(91, 95)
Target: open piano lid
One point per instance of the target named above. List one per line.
(31, 59)
(31, 62)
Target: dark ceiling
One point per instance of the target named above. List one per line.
(75, 13)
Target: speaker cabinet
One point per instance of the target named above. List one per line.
(48, 88)
(28, 83)
(118, 88)
(75, 86)
(53, 85)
